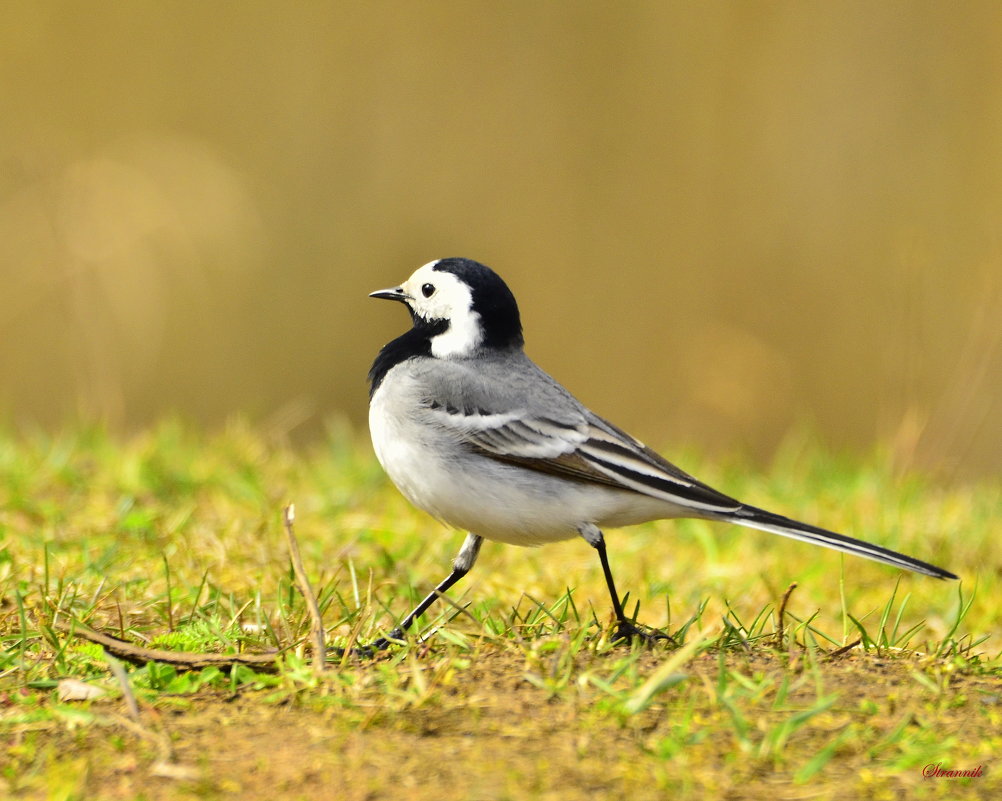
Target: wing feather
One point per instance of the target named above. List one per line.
(510, 410)
(592, 451)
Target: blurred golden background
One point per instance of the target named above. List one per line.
(724, 222)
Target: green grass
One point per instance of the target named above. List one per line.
(174, 538)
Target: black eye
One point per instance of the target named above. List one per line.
(428, 290)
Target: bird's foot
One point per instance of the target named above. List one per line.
(395, 637)
(629, 632)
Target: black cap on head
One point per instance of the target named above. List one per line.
(492, 300)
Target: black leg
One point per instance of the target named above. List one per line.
(460, 567)
(626, 629)
(617, 607)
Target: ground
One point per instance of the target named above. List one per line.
(869, 683)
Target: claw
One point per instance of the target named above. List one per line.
(630, 632)
(381, 644)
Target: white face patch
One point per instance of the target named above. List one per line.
(442, 296)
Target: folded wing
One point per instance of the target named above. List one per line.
(575, 444)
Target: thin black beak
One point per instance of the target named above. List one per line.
(397, 293)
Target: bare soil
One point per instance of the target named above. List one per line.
(490, 735)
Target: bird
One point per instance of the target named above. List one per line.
(474, 433)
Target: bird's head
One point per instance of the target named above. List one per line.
(462, 304)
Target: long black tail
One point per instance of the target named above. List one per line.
(768, 521)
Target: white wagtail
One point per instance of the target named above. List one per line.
(474, 433)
